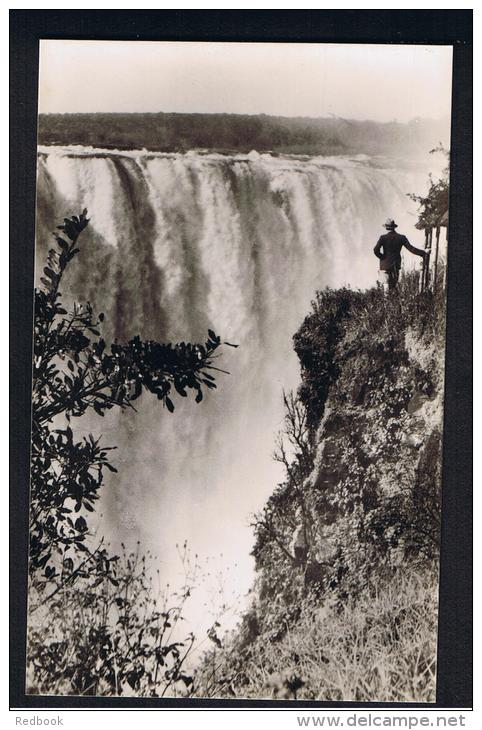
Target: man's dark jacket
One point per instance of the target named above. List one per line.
(388, 250)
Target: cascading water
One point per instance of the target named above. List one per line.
(178, 243)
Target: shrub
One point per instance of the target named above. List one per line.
(111, 634)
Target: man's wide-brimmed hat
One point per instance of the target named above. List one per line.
(390, 223)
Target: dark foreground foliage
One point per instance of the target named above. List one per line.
(111, 633)
(94, 625)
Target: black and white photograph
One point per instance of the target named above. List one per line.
(238, 376)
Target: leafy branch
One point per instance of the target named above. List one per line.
(76, 371)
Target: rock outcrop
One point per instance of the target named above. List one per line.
(366, 501)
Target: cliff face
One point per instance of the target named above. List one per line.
(377, 428)
(345, 604)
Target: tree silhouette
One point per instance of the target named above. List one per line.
(434, 205)
(74, 371)
(96, 624)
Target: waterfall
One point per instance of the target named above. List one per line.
(178, 243)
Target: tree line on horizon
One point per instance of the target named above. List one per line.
(178, 132)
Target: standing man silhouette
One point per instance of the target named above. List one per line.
(388, 250)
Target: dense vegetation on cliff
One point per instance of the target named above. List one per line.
(168, 132)
(345, 602)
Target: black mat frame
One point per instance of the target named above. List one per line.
(448, 27)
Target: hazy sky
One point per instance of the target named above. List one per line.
(379, 82)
